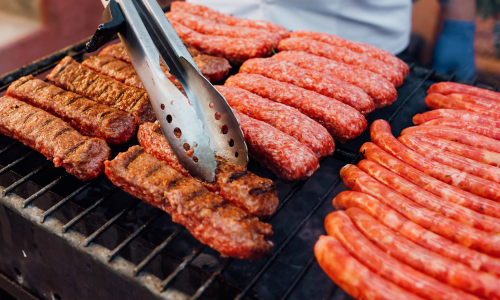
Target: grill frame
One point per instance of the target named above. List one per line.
(147, 285)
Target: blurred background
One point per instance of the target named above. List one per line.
(31, 29)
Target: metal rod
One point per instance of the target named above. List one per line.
(108, 224)
(333, 288)
(157, 251)
(296, 188)
(62, 202)
(212, 279)
(12, 164)
(495, 89)
(15, 143)
(181, 267)
(89, 209)
(42, 191)
(11, 187)
(291, 287)
(135, 235)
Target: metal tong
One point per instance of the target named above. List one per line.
(196, 132)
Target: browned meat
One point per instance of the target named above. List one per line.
(72, 76)
(213, 68)
(209, 218)
(81, 156)
(255, 195)
(88, 117)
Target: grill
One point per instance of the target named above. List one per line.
(66, 239)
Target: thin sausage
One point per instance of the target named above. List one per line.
(456, 135)
(450, 193)
(342, 121)
(415, 233)
(357, 180)
(376, 86)
(439, 267)
(476, 100)
(311, 80)
(428, 200)
(462, 115)
(446, 88)
(485, 130)
(339, 226)
(380, 133)
(352, 276)
(436, 101)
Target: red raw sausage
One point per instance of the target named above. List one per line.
(339, 226)
(342, 121)
(282, 117)
(380, 89)
(457, 135)
(357, 180)
(352, 276)
(439, 267)
(343, 55)
(205, 12)
(311, 80)
(455, 161)
(415, 233)
(446, 88)
(428, 200)
(462, 115)
(368, 50)
(435, 101)
(450, 193)
(380, 133)
(488, 131)
(476, 100)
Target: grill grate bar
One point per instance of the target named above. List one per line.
(62, 202)
(12, 164)
(157, 251)
(181, 267)
(15, 143)
(135, 235)
(212, 279)
(108, 224)
(496, 88)
(11, 187)
(298, 278)
(42, 191)
(295, 189)
(88, 210)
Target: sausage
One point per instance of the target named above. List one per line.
(485, 130)
(477, 154)
(481, 241)
(438, 267)
(205, 12)
(209, 218)
(428, 200)
(210, 27)
(376, 86)
(284, 118)
(255, 195)
(457, 135)
(81, 156)
(436, 101)
(285, 156)
(342, 121)
(415, 233)
(311, 80)
(455, 161)
(380, 133)
(88, 117)
(344, 55)
(339, 226)
(72, 76)
(462, 115)
(446, 88)
(492, 104)
(352, 276)
(368, 50)
(236, 50)
(450, 193)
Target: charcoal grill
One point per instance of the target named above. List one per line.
(61, 238)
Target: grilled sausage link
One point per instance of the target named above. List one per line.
(88, 117)
(209, 218)
(72, 76)
(485, 130)
(446, 88)
(437, 101)
(462, 115)
(81, 156)
(491, 104)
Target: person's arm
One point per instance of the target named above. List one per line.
(459, 10)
